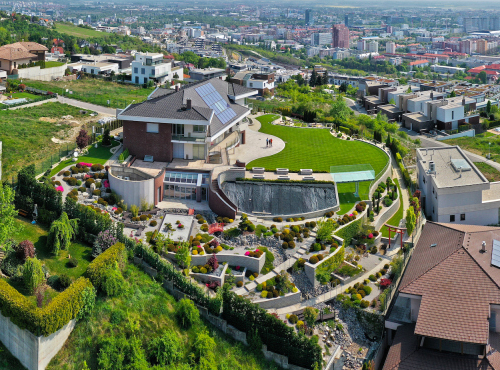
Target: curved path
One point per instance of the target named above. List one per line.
(255, 144)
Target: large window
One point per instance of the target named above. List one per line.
(153, 127)
(136, 70)
(178, 129)
(198, 151)
(199, 128)
(143, 71)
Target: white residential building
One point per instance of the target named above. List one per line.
(148, 66)
(373, 47)
(390, 47)
(361, 45)
(99, 68)
(454, 190)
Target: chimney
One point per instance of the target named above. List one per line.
(463, 101)
(483, 246)
(188, 102)
(432, 95)
(176, 88)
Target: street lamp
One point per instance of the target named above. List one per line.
(489, 150)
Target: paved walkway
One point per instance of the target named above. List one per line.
(87, 106)
(255, 144)
(34, 104)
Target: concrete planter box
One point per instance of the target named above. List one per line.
(279, 302)
(260, 177)
(282, 171)
(240, 277)
(258, 170)
(310, 269)
(251, 263)
(308, 178)
(207, 278)
(283, 177)
(308, 172)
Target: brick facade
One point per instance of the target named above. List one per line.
(141, 143)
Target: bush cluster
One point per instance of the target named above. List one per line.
(97, 269)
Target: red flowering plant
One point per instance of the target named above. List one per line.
(385, 283)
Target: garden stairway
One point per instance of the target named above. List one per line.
(2, 255)
(216, 189)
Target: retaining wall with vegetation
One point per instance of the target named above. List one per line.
(279, 302)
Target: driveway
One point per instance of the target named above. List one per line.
(87, 106)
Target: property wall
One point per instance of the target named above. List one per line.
(132, 191)
(468, 133)
(141, 143)
(279, 302)
(46, 74)
(482, 217)
(33, 352)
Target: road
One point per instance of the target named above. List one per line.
(87, 106)
(356, 108)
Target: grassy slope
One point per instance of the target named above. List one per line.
(394, 220)
(95, 91)
(26, 139)
(80, 32)
(7, 361)
(479, 144)
(491, 173)
(147, 302)
(95, 155)
(56, 265)
(318, 149)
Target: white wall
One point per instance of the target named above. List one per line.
(133, 191)
(46, 74)
(33, 352)
(480, 217)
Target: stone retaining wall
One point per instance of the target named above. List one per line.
(46, 74)
(388, 213)
(207, 278)
(33, 352)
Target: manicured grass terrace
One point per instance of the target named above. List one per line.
(72, 30)
(95, 155)
(398, 216)
(318, 149)
(491, 173)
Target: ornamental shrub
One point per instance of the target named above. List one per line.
(203, 270)
(88, 182)
(259, 287)
(372, 278)
(153, 223)
(165, 349)
(313, 260)
(143, 217)
(104, 240)
(64, 281)
(239, 284)
(113, 282)
(33, 274)
(263, 294)
(61, 233)
(72, 262)
(293, 319)
(213, 262)
(195, 252)
(364, 304)
(186, 312)
(284, 245)
(367, 289)
(317, 247)
(25, 250)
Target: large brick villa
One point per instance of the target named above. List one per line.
(184, 123)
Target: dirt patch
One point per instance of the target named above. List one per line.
(59, 141)
(48, 119)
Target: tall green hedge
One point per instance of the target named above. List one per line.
(49, 319)
(97, 268)
(329, 265)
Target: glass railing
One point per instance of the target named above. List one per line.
(188, 139)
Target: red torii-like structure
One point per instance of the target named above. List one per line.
(397, 230)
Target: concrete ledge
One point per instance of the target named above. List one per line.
(261, 177)
(282, 171)
(258, 170)
(308, 178)
(306, 171)
(279, 302)
(251, 263)
(207, 278)
(283, 177)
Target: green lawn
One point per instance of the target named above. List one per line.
(72, 30)
(27, 139)
(95, 155)
(57, 265)
(144, 310)
(26, 95)
(480, 144)
(95, 91)
(394, 220)
(318, 149)
(51, 64)
(491, 173)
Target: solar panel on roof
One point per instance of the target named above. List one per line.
(215, 101)
(495, 254)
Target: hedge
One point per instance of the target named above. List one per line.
(47, 320)
(348, 232)
(106, 260)
(288, 181)
(273, 332)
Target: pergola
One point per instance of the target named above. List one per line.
(352, 173)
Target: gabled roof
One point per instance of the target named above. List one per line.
(405, 354)
(170, 104)
(456, 281)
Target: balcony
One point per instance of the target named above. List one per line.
(187, 139)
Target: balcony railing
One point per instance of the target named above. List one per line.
(188, 139)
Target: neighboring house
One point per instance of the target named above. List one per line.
(57, 50)
(153, 67)
(344, 79)
(101, 68)
(418, 63)
(262, 82)
(183, 123)
(446, 312)
(19, 53)
(454, 190)
(206, 73)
